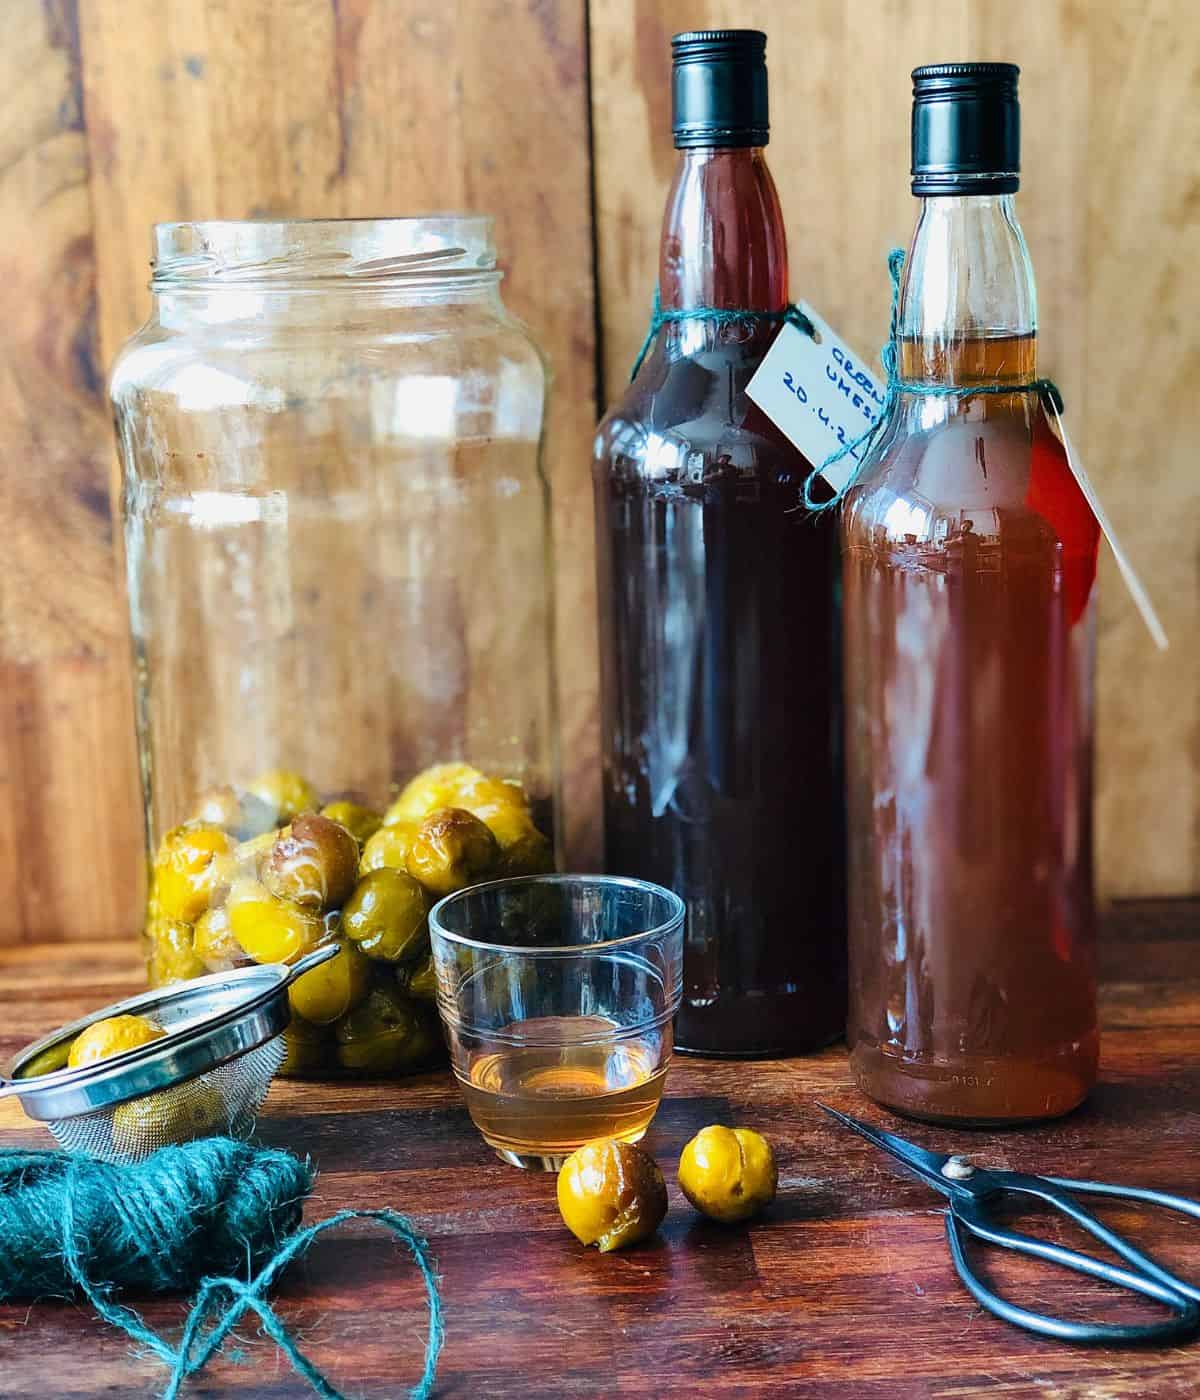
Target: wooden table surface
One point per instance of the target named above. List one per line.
(843, 1289)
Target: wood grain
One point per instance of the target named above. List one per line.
(1143, 361)
(288, 108)
(120, 112)
(1109, 204)
(70, 843)
(843, 1290)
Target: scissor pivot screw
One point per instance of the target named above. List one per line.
(958, 1169)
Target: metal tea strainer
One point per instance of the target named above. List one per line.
(208, 1075)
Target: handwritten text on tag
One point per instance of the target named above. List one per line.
(819, 394)
(822, 397)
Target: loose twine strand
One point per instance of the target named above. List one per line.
(895, 386)
(69, 1223)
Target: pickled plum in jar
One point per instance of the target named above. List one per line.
(311, 880)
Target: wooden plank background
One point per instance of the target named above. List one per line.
(117, 113)
(1110, 204)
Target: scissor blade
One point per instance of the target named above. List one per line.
(927, 1165)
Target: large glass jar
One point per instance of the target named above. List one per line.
(336, 527)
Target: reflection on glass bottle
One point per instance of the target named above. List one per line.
(717, 605)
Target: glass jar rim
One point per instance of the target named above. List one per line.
(449, 248)
(666, 926)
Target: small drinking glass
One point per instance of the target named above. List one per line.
(557, 994)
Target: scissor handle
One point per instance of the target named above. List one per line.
(1142, 1196)
(1147, 1278)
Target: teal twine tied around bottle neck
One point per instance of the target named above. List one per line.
(720, 316)
(861, 446)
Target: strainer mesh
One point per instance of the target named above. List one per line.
(224, 1100)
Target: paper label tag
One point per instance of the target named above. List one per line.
(819, 394)
(1134, 584)
(822, 397)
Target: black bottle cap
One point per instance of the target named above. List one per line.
(966, 129)
(719, 88)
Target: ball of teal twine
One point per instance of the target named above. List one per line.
(718, 316)
(897, 386)
(216, 1215)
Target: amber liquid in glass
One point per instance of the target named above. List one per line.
(547, 1100)
(720, 642)
(968, 648)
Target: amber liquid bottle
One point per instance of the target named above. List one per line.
(718, 616)
(969, 559)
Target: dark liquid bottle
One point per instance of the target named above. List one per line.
(969, 564)
(719, 628)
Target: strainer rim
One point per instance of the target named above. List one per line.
(103, 1077)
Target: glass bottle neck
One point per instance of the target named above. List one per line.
(723, 241)
(968, 306)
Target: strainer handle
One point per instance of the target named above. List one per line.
(309, 961)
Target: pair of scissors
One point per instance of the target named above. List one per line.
(972, 1191)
